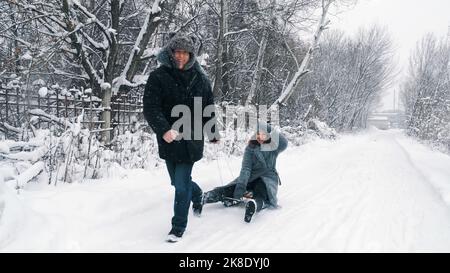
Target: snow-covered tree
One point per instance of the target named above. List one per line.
(426, 92)
(101, 42)
(103, 45)
(349, 75)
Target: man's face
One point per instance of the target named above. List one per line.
(181, 57)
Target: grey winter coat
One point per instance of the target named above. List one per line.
(258, 163)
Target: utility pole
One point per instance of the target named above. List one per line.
(394, 100)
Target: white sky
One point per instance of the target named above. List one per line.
(407, 20)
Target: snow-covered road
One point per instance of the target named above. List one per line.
(374, 191)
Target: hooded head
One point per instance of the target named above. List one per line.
(262, 134)
(175, 52)
(182, 42)
(263, 127)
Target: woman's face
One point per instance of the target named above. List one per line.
(261, 137)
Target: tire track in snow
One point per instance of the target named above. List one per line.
(419, 171)
(349, 221)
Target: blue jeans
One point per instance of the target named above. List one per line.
(186, 191)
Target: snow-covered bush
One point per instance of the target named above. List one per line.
(134, 150)
(426, 92)
(67, 152)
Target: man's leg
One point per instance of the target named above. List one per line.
(171, 170)
(196, 193)
(181, 179)
(197, 196)
(196, 190)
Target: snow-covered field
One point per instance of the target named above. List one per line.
(375, 191)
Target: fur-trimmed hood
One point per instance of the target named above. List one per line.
(165, 57)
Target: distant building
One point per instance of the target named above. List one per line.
(379, 122)
(387, 120)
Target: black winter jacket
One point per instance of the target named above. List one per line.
(167, 87)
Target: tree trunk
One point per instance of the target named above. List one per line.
(302, 71)
(150, 25)
(221, 47)
(113, 47)
(259, 68)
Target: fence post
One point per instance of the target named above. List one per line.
(83, 108)
(18, 104)
(106, 114)
(129, 112)
(39, 107)
(90, 112)
(6, 111)
(66, 114)
(75, 100)
(6, 104)
(57, 103)
(117, 102)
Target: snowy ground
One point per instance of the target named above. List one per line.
(375, 191)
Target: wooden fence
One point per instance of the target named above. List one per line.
(126, 110)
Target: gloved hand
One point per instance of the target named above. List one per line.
(248, 194)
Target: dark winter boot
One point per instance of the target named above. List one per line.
(174, 236)
(250, 209)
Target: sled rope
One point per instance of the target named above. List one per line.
(229, 168)
(218, 166)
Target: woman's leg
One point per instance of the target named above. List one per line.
(219, 194)
(258, 188)
(258, 201)
(260, 194)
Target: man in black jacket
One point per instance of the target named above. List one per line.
(180, 80)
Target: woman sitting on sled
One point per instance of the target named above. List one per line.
(258, 181)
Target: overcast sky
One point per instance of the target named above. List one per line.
(407, 20)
